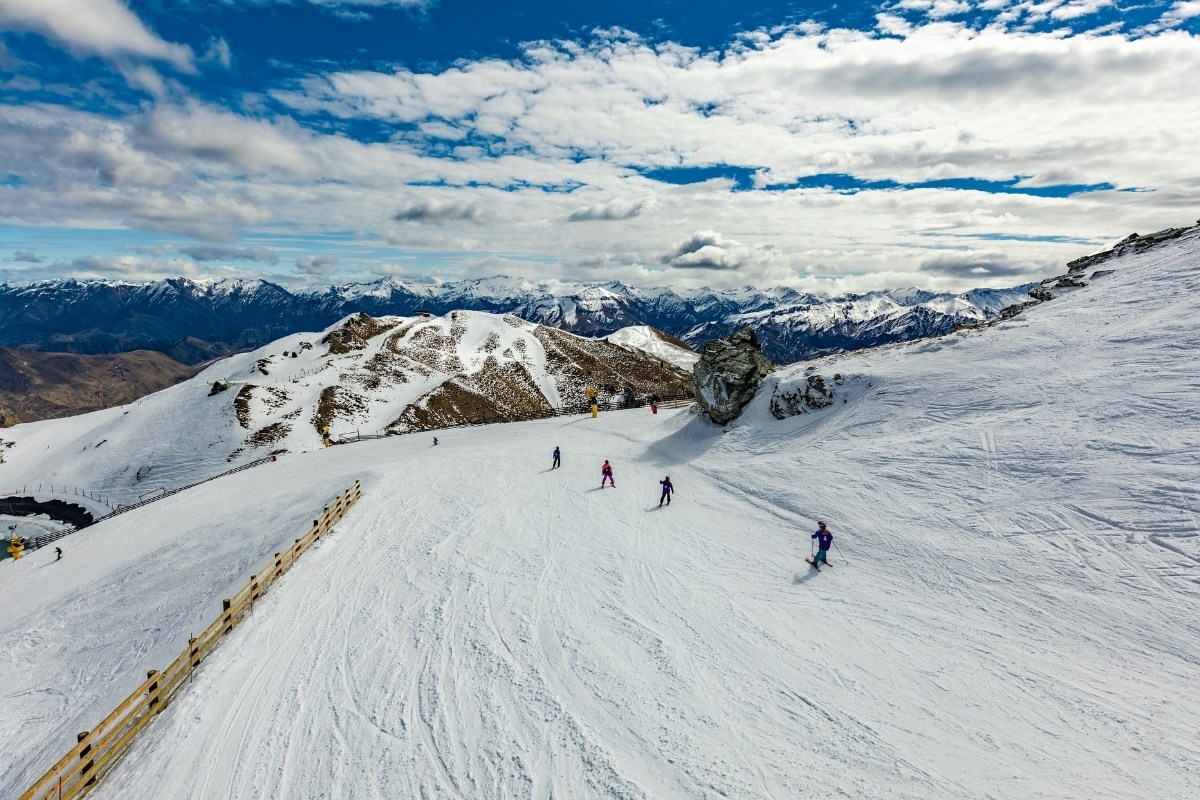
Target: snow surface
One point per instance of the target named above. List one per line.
(644, 338)
(1011, 610)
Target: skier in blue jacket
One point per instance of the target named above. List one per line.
(824, 541)
(557, 459)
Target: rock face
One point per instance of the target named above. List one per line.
(728, 374)
(812, 395)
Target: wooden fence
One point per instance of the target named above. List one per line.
(101, 749)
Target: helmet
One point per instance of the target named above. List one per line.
(821, 523)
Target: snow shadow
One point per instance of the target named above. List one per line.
(804, 577)
(691, 441)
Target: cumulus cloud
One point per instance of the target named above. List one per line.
(978, 266)
(1180, 13)
(105, 28)
(217, 252)
(710, 250)
(317, 265)
(439, 211)
(202, 132)
(607, 212)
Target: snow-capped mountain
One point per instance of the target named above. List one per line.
(195, 321)
(362, 376)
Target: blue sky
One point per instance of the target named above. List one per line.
(941, 143)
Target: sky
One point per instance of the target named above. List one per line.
(946, 144)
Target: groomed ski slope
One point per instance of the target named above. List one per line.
(1011, 610)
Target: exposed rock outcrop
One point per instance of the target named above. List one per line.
(728, 374)
(814, 394)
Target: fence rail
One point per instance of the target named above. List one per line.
(71, 491)
(99, 750)
(665, 401)
(43, 539)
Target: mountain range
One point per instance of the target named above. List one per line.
(195, 321)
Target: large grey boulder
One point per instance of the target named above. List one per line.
(728, 374)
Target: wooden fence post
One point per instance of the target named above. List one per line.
(86, 755)
(253, 591)
(193, 652)
(152, 691)
(227, 615)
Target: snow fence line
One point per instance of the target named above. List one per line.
(102, 748)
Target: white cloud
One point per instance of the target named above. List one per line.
(105, 28)
(567, 132)
(216, 252)
(1079, 8)
(314, 266)
(439, 211)
(608, 212)
(1181, 12)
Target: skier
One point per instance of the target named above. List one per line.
(435, 441)
(824, 540)
(557, 458)
(606, 475)
(58, 552)
(667, 489)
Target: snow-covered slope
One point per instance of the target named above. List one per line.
(656, 343)
(364, 375)
(1013, 608)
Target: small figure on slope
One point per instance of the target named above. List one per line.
(824, 541)
(667, 489)
(435, 441)
(58, 553)
(557, 458)
(606, 475)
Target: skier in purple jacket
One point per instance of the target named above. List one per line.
(668, 488)
(824, 541)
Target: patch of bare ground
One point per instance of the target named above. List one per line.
(354, 333)
(434, 349)
(496, 393)
(577, 363)
(4, 445)
(269, 435)
(337, 402)
(241, 404)
(36, 385)
(389, 366)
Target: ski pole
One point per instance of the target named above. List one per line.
(840, 558)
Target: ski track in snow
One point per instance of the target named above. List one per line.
(1011, 609)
